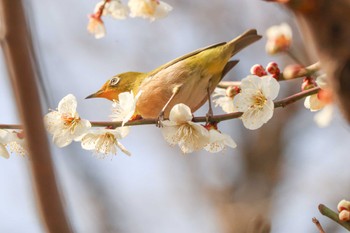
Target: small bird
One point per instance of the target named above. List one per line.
(189, 79)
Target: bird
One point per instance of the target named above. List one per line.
(189, 79)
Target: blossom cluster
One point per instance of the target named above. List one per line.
(344, 210)
(148, 9)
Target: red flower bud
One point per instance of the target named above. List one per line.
(231, 91)
(308, 83)
(258, 70)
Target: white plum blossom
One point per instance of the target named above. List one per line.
(105, 141)
(223, 100)
(313, 103)
(218, 141)
(65, 124)
(96, 26)
(114, 8)
(321, 102)
(124, 108)
(151, 9)
(14, 141)
(279, 38)
(180, 129)
(256, 100)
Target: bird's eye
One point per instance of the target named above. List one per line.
(114, 81)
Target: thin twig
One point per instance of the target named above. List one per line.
(226, 84)
(318, 225)
(280, 103)
(324, 210)
(293, 57)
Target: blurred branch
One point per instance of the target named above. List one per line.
(324, 25)
(324, 210)
(280, 103)
(15, 42)
(318, 225)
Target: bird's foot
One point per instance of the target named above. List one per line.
(159, 123)
(209, 116)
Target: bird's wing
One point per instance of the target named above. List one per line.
(153, 72)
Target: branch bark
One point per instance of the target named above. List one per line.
(18, 52)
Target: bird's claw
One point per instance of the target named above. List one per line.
(159, 123)
(208, 116)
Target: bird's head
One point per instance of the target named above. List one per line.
(117, 84)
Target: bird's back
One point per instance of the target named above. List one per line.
(191, 75)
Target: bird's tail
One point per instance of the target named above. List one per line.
(243, 41)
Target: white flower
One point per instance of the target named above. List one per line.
(96, 26)
(279, 38)
(224, 101)
(113, 8)
(313, 103)
(180, 129)
(124, 109)
(218, 141)
(105, 141)
(256, 100)
(152, 9)
(65, 124)
(14, 141)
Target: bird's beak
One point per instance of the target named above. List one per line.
(95, 95)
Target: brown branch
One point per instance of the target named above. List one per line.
(280, 103)
(318, 225)
(15, 42)
(324, 210)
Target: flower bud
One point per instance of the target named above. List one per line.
(273, 69)
(344, 215)
(231, 91)
(343, 205)
(292, 71)
(258, 70)
(308, 83)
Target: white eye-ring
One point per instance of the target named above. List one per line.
(114, 81)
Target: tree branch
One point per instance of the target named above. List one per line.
(280, 103)
(15, 41)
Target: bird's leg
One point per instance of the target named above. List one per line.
(161, 114)
(210, 110)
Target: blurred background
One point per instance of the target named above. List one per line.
(277, 175)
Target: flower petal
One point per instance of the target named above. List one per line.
(270, 87)
(254, 118)
(251, 82)
(68, 105)
(218, 141)
(180, 113)
(3, 152)
(196, 138)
